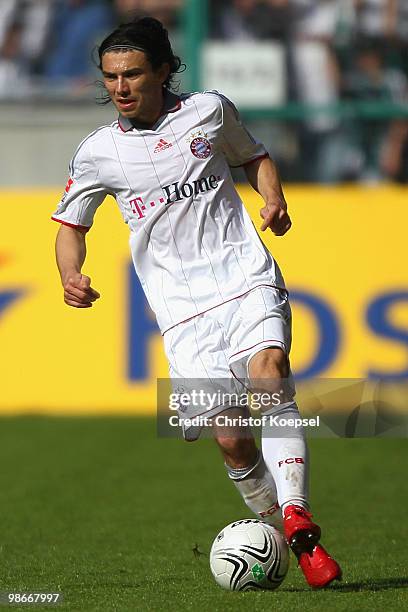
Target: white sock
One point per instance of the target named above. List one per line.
(286, 454)
(258, 490)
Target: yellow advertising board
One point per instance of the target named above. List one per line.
(344, 261)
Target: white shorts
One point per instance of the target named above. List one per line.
(218, 345)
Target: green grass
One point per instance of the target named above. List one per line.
(106, 513)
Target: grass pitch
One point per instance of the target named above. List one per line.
(107, 514)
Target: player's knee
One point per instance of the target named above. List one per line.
(271, 363)
(238, 452)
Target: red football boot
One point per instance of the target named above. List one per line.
(303, 535)
(300, 531)
(319, 568)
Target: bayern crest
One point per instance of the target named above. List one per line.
(200, 147)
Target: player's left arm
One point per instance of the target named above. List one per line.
(264, 178)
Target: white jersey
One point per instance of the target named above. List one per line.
(193, 244)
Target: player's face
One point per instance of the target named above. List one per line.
(134, 87)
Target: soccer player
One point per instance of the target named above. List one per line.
(218, 294)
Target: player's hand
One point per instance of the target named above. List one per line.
(276, 218)
(78, 291)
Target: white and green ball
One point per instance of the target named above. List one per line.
(249, 554)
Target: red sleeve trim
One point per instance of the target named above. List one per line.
(251, 161)
(83, 227)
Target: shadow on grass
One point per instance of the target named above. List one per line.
(377, 584)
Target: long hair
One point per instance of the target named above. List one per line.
(148, 35)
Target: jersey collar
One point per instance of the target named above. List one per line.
(172, 103)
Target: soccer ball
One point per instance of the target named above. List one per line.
(249, 554)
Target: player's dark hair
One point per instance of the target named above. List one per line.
(149, 35)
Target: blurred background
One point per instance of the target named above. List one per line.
(323, 83)
(89, 505)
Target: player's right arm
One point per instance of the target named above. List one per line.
(70, 250)
(84, 193)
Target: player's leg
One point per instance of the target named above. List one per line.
(284, 448)
(193, 369)
(263, 321)
(262, 338)
(246, 468)
(286, 454)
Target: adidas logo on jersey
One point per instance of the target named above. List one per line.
(162, 145)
